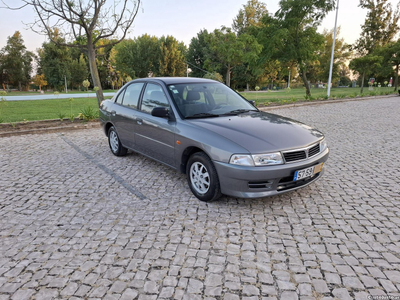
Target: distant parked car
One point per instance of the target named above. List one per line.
(212, 134)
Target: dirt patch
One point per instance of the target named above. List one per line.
(45, 126)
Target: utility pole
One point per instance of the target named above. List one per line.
(65, 78)
(333, 51)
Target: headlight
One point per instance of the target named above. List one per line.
(241, 159)
(256, 160)
(268, 159)
(323, 145)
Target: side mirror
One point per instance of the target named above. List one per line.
(252, 102)
(161, 112)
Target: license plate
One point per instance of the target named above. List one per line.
(308, 172)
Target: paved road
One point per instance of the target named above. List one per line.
(77, 222)
(47, 96)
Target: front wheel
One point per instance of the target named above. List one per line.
(202, 177)
(115, 144)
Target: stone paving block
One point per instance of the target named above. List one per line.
(341, 293)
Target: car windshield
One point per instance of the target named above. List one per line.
(207, 99)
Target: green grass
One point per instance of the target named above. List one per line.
(18, 111)
(295, 95)
(18, 93)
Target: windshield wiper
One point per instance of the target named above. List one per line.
(238, 111)
(201, 115)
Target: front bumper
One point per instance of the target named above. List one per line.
(256, 182)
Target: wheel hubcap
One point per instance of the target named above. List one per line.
(114, 143)
(199, 178)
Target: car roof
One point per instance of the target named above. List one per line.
(176, 80)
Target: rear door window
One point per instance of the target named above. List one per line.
(132, 94)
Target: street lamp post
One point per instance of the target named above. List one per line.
(288, 83)
(333, 51)
(65, 79)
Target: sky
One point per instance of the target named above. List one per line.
(183, 19)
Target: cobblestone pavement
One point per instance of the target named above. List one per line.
(77, 222)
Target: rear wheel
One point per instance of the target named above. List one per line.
(202, 177)
(115, 144)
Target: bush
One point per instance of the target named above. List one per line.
(88, 114)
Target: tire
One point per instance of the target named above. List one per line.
(202, 177)
(115, 144)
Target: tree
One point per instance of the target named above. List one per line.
(39, 80)
(87, 21)
(248, 21)
(365, 65)
(172, 57)
(391, 59)
(16, 63)
(198, 52)
(79, 70)
(138, 57)
(380, 27)
(291, 35)
(341, 55)
(249, 16)
(231, 50)
(55, 61)
(394, 50)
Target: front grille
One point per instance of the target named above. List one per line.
(301, 154)
(295, 156)
(313, 151)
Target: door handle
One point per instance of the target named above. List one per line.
(139, 121)
(113, 113)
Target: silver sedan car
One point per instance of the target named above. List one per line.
(216, 137)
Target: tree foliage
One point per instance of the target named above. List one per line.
(39, 80)
(55, 61)
(380, 27)
(390, 55)
(149, 56)
(16, 62)
(138, 57)
(172, 57)
(229, 50)
(365, 65)
(291, 35)
(198, 52)
(341, 55)
(249, 16)
(79, 70)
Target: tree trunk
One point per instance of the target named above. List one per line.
(228, 76)
(305, 81)
(396, 79)
(94, 71)
(362, 83)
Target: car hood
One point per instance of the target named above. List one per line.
(261, 132)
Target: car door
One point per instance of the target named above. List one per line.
(126, 113)
(155, 136)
